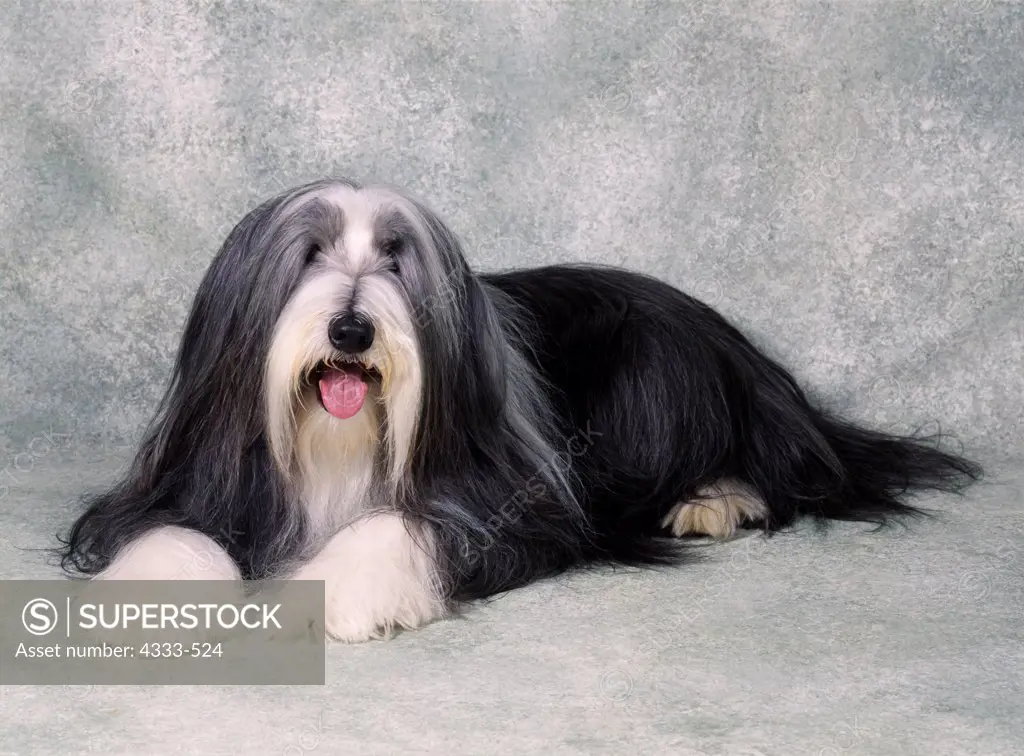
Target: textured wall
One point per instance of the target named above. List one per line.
(845, 181)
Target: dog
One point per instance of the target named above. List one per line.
(352, 403)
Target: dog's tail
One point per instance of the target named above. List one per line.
(876, 470)
(805, 461)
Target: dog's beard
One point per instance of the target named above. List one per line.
(341, 426)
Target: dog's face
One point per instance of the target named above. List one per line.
(344, 371)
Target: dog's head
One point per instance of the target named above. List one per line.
(335, 320)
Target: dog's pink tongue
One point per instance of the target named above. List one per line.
(342, 392)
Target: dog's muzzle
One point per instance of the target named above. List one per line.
(342, 383)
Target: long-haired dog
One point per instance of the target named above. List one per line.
(352, 403)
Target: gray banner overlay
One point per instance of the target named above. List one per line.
(72, 632)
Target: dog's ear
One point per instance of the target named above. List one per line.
(217, 380)
(483, 355)
(461, 341)
(484, 452)
(204, 463)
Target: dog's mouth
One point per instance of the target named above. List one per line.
(341, 386)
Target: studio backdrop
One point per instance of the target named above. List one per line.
(846, 185)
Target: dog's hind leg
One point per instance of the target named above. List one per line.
(717, 511)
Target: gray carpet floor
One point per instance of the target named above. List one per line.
(848, 642)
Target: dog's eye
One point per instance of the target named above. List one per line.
(391, 247)
(389, 251)
(312, 254)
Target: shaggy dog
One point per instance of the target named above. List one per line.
(352, 403)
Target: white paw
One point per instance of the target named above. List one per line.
(377, 578)
(717, 512)
(172, 553)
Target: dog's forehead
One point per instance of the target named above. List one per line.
(368, 220)
(358, 237)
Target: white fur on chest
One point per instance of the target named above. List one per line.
(335, 460)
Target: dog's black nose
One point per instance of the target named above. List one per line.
(350, 333)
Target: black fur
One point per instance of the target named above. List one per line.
(677, 398)
(565, 411)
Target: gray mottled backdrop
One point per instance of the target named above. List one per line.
(846, 183)
(844, 180)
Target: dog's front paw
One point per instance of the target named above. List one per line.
(345, 626)
(377, 579)
(349, 617)
(359, 608)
